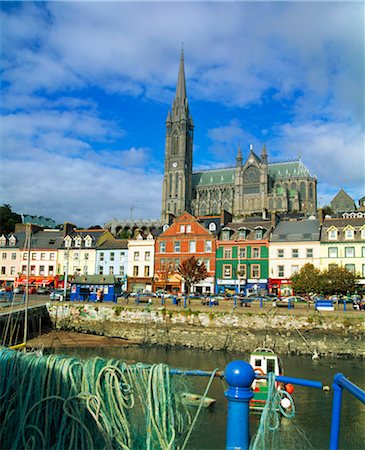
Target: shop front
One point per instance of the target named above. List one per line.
(255, 286)
(140, 284)
(95, 288)
(230, 286)
(280, 286)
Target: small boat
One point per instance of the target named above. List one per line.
(263, 361)
(196, 399)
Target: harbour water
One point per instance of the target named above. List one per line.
(313, 406)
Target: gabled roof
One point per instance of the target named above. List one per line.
(250, 227)
(288, 169)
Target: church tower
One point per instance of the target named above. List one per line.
(177, 181)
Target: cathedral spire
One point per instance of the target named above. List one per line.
(181, 85)
(239, 157)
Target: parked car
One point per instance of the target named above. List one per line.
(161, 293)
(41, 290)
(59, 294)
(293, 299)
(145, 297)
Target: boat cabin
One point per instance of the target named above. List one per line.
(263, 361)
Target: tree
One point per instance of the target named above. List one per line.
(338, 280)
(8, 219)
(308, 279)
(164, 273)
(327, 210)
(192, 272)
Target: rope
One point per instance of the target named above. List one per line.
(55, 402)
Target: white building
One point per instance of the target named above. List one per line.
(140, 267)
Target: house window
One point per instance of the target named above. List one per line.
(242, 253)
(146, 271)
(12, 270)
(78, 242)
(207, 264)
(309, 253)
(3, 270)
(242, 271)
(363, 270)
(32, 270)
(332, 252)
(212, 226)
(101, 256)
(177, 263)
(34, 256)
(135, 271)
(258, 234)
(4, 256)
(13, 255)
(43, 256)
(24, 269)
(111, 270)
(147, 256)
(76, 256)
(52, 256)
(101, 271)
(182, 228)
(332, 266)
(255, 271)
(225, 235)
(280, 253)
(188, 228)
(295, 253)
(349, 252)
(121, 270)
(227, 271)
(162, 247)
(349, 234)
(25, 255)
(177, 246)
(121, 254)
(136, 256)
(294, 269)
(350, 267)
(112, 256)
(256, 252)
(192, 246)
(86, 256)
(332, 235)
(41, 270)
(363, 252)
(362, 234)
(242, 234)
(227, 253)
(50, 270)
(281, 271)
(208, 246)
(88, 242)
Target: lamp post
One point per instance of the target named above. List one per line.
(67, 254)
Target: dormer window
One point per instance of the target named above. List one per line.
(332, 235)
(349, 234)
(212, 226)
(149, 237)
(363, 234)
(225, 235)
(68, 242)
(182, 228)
(259, 232)
(3, 241)
(12, 241)
(78, 241)
(243, 233)
(88, 241)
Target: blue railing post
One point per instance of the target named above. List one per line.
(261, 303)
(137, 299)
(235, 301)
(185, 301)
(336, 414)
(289, 306)
(162, 299)
(239, 375)
(344, 304)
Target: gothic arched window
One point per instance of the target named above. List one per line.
(302, 191)
(170, 184)
(176, 183)
(311, 191)
(251, 180)
(175, 144)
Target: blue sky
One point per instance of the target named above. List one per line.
(86, 87)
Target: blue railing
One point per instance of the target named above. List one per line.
(240, 375)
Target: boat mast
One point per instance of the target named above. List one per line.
(27, 246)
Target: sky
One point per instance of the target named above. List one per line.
(86, 88)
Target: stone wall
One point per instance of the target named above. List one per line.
(307, 335)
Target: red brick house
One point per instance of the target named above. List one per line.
(184, 238)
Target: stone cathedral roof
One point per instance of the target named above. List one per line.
(282, 170)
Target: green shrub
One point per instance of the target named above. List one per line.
(117, 310)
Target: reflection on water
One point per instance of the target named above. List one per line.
(313, 406)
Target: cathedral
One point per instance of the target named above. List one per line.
(252, 186)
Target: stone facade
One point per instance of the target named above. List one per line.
(252, 186)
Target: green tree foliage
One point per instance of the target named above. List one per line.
(327, 209)
(335, 280)
(192, 272)
(8, 219)
(338, 280)
(308, 279)
(164, 273)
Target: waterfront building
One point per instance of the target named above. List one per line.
(140, 262)
(186, 237)
(343, 244)
(77, 254)
(292, 244)
(95, 288)
(10, 247)
(250, 186)
(242, 257)
(112, 259)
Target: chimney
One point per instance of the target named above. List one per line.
(320, 216)
(68, 228)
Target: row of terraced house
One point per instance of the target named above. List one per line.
(255, 255)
